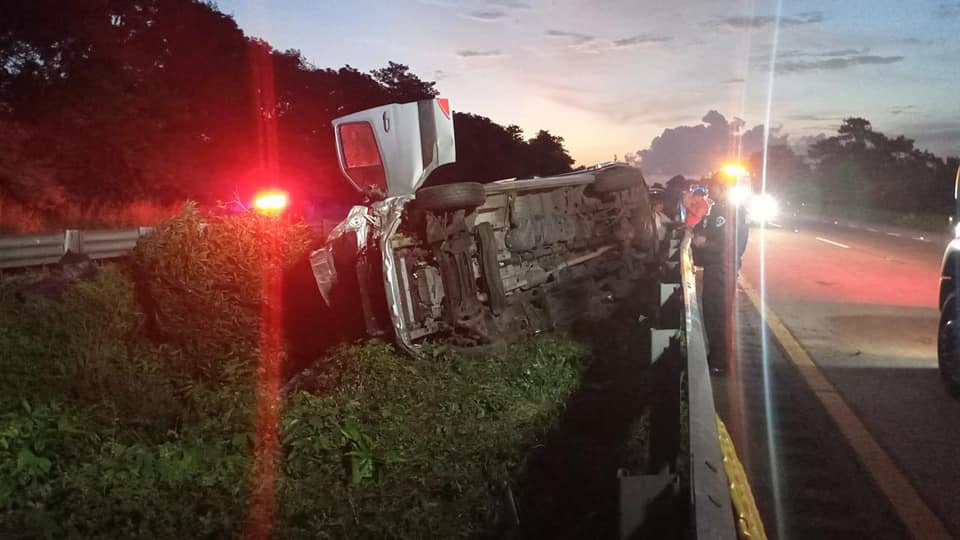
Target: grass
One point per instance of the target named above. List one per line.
(101, 437)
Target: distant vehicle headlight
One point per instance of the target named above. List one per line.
(738, 194)
(763, 207)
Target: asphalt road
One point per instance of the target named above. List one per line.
(862, 303)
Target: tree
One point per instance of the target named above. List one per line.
(403, 86)
(787, 174)
(168, 99)
(487, 151)
(547, 154)
(863, 168)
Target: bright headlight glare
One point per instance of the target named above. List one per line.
(763, 208)
(738, 194)
(956, 230)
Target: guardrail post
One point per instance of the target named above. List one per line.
(72, 240)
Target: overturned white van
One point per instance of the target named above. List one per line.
(473, 264)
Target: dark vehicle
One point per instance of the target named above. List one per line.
(948, 333)
(475, 264)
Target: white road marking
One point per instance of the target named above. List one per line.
(832, 243)
(922, 239)
(853, 225)
(893, 234)
(871, 229)
(777, 225)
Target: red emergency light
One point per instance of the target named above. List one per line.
(271, 202)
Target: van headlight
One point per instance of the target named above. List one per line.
(763, 207)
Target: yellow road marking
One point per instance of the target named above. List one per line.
(909, 507)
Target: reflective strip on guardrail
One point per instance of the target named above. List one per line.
(712, 509)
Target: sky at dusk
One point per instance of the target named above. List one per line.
(610, 75)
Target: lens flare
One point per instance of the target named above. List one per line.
(763, 208)
(271, 202)
(734, 170)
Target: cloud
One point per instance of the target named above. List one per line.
(947, 9)
(836, 63)
(439, 75)
(516, 4)
(640, 39)
(576, 37)
(734, 80)
(914, 41)
(813, 118)
(486, 15)
(762, 21)
(696, 150)
(901, 109)
(479, 54)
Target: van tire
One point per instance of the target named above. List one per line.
(459, 196)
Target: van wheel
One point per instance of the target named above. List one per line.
(616, 180)
(459, 196)
(948, 346)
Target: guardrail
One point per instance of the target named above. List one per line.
(685, 492)
(25, 250)
(709, 488)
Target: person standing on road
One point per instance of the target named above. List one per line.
(719, 242)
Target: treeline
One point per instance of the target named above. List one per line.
(863, 169)
(164, 100)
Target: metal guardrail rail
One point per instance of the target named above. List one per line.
(26, 250)
(712, 510)
(682, 494)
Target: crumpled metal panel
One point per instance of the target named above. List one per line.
(358, 220)
(324, 272)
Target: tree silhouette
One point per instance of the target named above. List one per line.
(167, 99)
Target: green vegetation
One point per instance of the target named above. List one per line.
(99, 438)
(106, 433)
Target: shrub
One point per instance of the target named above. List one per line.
(204, 283)
(84, 349)
(61, 476)
(417, 447)
(396, 448)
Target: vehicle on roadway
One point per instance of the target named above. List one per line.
(760, 207)
(948, 333)
(473, 264)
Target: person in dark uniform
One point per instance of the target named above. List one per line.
(719, 242)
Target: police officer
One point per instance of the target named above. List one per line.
(719, 242)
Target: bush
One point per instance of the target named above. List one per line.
(61, 476)
(105, 434)
(85, 349)
(206, 283)
(417, 448)
(396, 448)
